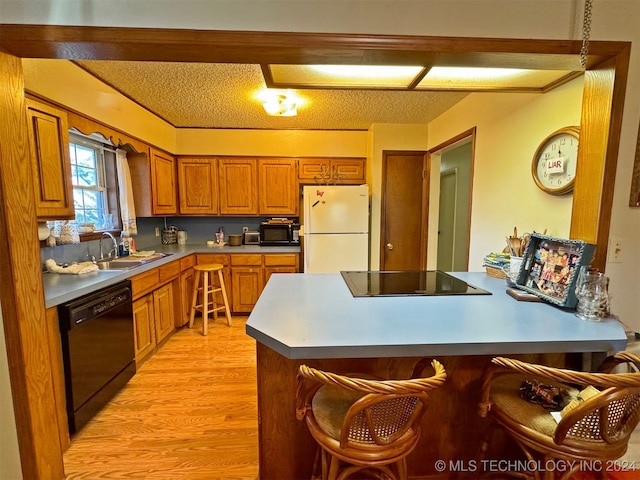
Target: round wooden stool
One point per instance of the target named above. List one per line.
(209, 290)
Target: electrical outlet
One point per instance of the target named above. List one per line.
(245, 229)
(615, 250)
(157, 231)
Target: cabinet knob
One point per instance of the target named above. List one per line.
(389, 246)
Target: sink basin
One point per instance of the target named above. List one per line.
(125, 263)
(119, 264)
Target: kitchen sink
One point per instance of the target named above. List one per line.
(125, 263)
(119, 264)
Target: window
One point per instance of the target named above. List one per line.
(88, 179)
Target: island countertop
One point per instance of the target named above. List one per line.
(307, 316)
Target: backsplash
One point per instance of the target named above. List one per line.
(199, 230)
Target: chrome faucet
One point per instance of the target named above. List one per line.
(115, 245)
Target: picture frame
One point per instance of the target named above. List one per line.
(550, 268)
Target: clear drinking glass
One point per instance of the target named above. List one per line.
(592, 292)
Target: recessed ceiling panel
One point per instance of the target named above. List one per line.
(459, 78)
(344, 76)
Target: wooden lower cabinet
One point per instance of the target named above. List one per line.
(186, 291)
(156, 307)
(163, 311)
(144, 338)
(280, 263)
(246, 274)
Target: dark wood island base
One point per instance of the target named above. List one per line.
(452, 430)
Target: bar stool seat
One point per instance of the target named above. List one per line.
(208, 294)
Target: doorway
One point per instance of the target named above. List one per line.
(405, 193)
(454, 206)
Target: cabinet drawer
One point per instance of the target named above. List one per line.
(280, 259)
(187, 262)
(212, 258)
(246, 260)
(169, 271)
(144, 282)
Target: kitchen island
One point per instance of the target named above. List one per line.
(314, 319)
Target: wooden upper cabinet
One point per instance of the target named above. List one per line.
(332, 170)
(164, 192)
(238, 186)
(278, 187)
(51, 165)
(198, 185)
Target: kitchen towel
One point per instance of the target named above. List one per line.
(127, 207)
(75, 269)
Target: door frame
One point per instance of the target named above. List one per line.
(449, 143)
(424, 217)
(22, 292)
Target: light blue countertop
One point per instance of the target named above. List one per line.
(313, 316)
(61, 288)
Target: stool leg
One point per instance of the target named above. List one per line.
(194, 298)
(224, 297)
(205, 303)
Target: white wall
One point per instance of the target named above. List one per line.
(10, 468)
(509, 128)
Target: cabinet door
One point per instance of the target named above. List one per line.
(310, 168)
(186, 292)
(349, 169)
(144, 338)
(50, 162)
(238, 186)
(163, 310)
(198, 186)
(278, 187)
(247, 284)
(163, 184)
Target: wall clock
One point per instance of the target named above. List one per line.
(554, 163)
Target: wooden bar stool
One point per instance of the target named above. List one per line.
(209, 291)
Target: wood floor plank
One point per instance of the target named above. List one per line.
(190, 412)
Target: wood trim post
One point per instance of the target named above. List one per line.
(600, 126)
(21, 290)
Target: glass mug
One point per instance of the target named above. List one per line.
(592, 292)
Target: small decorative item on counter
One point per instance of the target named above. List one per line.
(51, 239)
(123, 247)
(86, 227)
(220, 236)
(170, 235)
(592, 292)
(68, 234)
(495, 263)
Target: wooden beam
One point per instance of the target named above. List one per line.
(21, 290)
(600, 126)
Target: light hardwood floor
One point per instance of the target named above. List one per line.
(189, 413)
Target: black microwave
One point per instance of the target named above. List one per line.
(279, 233)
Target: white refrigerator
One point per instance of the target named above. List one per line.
(336, 228)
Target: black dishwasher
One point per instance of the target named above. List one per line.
(97, 350)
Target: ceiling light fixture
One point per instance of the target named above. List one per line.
(280, 105)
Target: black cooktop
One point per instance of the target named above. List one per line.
(406, 283)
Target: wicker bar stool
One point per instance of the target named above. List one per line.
(208, 294)
(597, 429)
(361, 424)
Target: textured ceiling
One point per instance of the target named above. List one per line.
(204, 95)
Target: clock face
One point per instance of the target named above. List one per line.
(554, 164)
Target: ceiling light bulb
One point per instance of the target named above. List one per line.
(281, 106)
